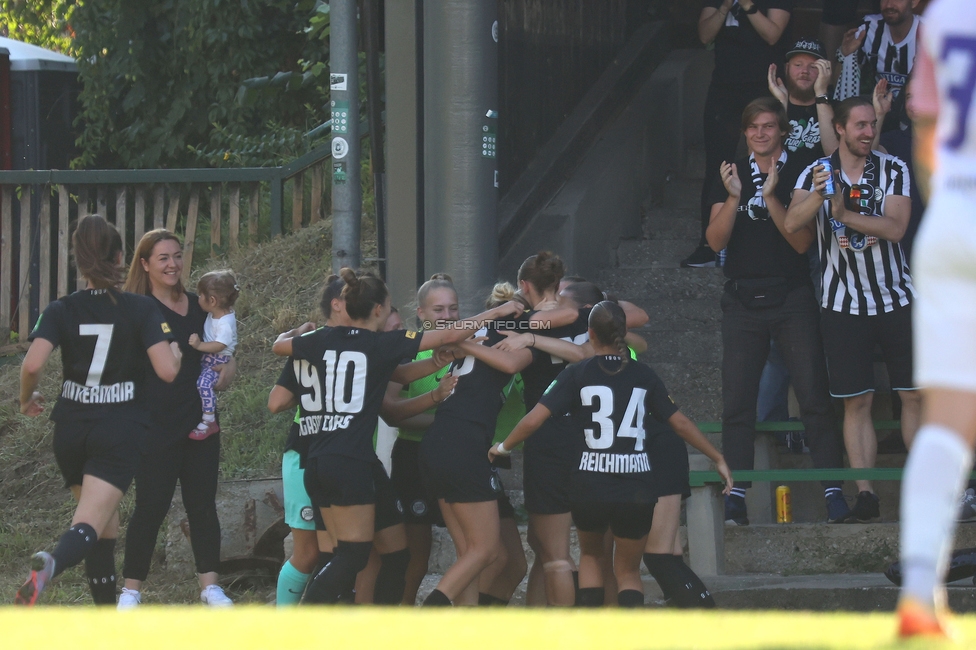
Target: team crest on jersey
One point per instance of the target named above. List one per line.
(410, 334)
(307, 513)
(856, 241)
(164, 326)
(419, 507)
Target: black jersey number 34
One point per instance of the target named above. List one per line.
(344, 388)
(632, 425)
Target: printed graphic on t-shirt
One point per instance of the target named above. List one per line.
(804, 134)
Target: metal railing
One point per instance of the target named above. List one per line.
(34, 262)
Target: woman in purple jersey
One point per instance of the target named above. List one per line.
(108, 342)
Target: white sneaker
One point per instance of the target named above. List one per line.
(129, 599)
(215, 597)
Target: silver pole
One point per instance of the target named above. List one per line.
(347, 200)
(460, 127)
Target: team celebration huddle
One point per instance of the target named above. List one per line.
(809, 226)
(604, 444)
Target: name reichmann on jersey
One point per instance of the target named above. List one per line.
(124, 391)
(309, 425)
(592, 461)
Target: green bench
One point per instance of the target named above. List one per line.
(705, 508)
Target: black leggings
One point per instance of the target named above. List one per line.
(195, 464)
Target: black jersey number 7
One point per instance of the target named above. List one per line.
(102, 343)
(632, 425)
(342, 371)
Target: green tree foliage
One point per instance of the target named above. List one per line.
(162, 78)
(39, 22)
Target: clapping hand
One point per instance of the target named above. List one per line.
(822, 83)
(853, 40)
(881, 98)
(776, 86)
(771, 179)
(730, 179)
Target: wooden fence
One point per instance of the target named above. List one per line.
(239, 206)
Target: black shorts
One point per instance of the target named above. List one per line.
(849, 343)
(454, 464)
(418, 507)
(342, 481)
(669, 464)
(108, 448)
(547, 467)
(625, 520)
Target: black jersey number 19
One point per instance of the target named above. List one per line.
(579, 339)
(467, 365)
(342, 370)
(102, 343)
(632, 425)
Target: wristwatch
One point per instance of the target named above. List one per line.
(751, 10)
(823, 99)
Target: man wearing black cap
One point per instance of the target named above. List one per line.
(803, 92)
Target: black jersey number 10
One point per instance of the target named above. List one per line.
(346, 370)
(632, 425)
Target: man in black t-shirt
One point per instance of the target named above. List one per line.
(747, 35)
(803, 93)
(769, 296)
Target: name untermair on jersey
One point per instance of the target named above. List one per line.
(124, 391)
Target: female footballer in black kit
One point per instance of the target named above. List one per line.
(108, 341)
(310, 543)
(609, 399)
(347, 370)
(548, 456)
(313, 544)
(453, 458)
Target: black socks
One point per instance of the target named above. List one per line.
(592, 597)
(338, 578)
(73, 547)
(487, 600)
(437, 598)
(100, 570)
(682, 588)
(630, 598)
(390, 581)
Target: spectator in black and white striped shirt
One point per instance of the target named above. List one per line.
(867, 289)
(882, 47)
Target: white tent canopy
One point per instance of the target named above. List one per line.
(24, 56)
